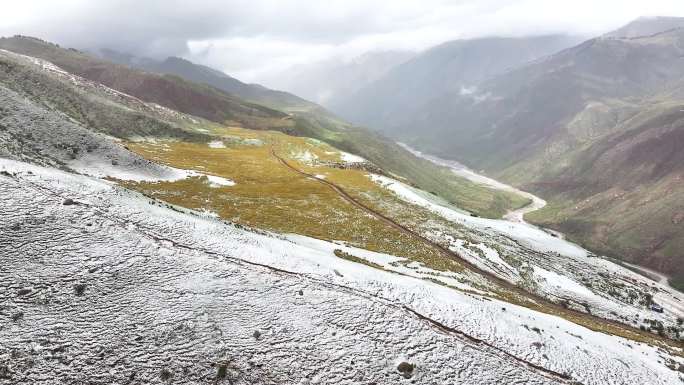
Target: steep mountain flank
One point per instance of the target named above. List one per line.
(205, 75)
(166, 90)
(453, 67)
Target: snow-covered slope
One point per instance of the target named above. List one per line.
(102, 285)
(550, 266)
(30, 132)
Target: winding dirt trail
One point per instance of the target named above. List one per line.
(555, 309)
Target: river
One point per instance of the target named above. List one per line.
(463, 171)
(517, 215)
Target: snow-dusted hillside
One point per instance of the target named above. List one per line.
(550, 266)
(102, 285)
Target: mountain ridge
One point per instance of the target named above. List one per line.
(647, 26)
(202, 74)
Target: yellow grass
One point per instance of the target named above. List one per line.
(270, 196)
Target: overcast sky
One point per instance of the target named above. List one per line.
(255, 39)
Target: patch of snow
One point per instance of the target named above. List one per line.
(488, 258)
(305, 156)
(217, 181)
(209, 213)
(351, 158)
(94, 165)
(253, 142)
(217, 144)
(560, 283)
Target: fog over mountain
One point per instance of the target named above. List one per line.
(455, 67)
(327, 80)
(255, 40)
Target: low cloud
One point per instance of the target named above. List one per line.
(259, 38)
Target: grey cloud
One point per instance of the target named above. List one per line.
(164, 27)
(256, 39)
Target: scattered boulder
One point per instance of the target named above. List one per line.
(165, 374)
(5, 372)
(222, 372)
(17, 316)
(79, 288)
(301, 292)
(406, 369)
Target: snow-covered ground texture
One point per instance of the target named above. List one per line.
(550, 266)
(101, 285)
(306, 156)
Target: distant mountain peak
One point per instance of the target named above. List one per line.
(647, 26)
(178, 61)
